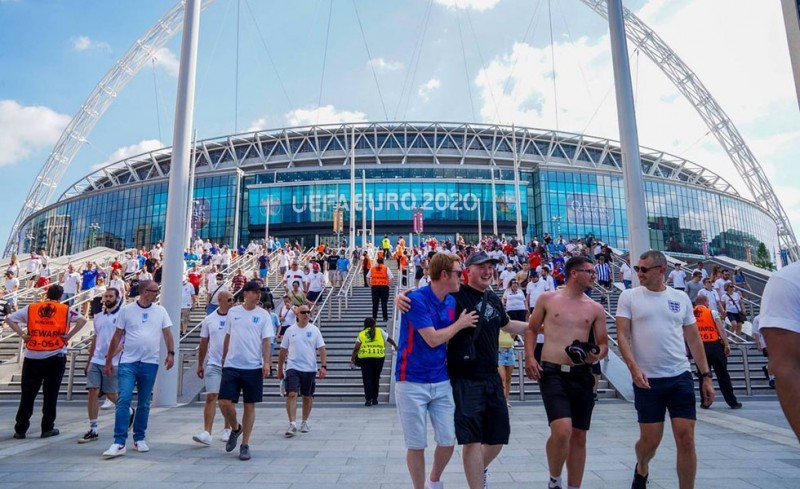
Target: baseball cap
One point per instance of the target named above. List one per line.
(479, 258)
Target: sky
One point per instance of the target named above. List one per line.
(265, 64)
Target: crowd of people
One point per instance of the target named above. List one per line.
(460, 320)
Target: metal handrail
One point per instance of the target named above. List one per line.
(321, 308)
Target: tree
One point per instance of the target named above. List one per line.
(763, 260)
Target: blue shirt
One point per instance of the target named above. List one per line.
(342, 263)
(88, 279)
(418, 362)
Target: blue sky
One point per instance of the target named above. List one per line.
(54, 52)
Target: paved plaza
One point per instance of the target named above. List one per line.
(358, 447)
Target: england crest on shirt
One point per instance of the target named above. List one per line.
(674, 306)
(222, 325)
(145, 315)
(308, 334)
(255, 320)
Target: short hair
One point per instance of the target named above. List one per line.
(575, 262)
(114, 290)
(54, 292)
(701, 299)
(441, 262)
(658, 258)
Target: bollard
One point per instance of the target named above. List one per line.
(746, 365)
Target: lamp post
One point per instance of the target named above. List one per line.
(93, 228)
(556, 220)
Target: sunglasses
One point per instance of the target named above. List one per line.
(303, 312)
(229, 300)
(638, 269)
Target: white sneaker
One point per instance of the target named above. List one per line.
(429, 484)
(304, 427)
(226, 434)
(291, 431)
(141, 446)
(204, 438)
(115, 451)
(486, 478)
(107, 404)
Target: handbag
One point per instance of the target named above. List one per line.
(740, 314)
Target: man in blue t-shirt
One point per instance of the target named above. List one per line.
(88, 276)
(342, 267)
(423, 386)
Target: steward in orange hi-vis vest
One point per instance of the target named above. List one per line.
(47, 322)
(706, 324)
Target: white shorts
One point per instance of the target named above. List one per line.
(212, 378)
(415, 401)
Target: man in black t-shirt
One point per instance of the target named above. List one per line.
(481, 417)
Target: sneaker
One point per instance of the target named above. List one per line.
(107, 404)
(204, 438)
(231, 443)
(130, 420)
(49, 433)
(226, 434)
(738, 405)
(304, 427)
(639, 481)
(553, 484)
(244, 452)
(771, 385)
(141, 446)
(429, 484)
(115, 451)
(374, 402)
(486, 478)
(368, 402)
(291, 431)
(90, 435)
(19, 436)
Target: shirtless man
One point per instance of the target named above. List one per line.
(566, 386)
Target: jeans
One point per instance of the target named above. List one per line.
(69, 298)
(627, 284)
(46, 373)
(143, 376)
(415, 402)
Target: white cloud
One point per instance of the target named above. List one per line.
(26, 129)
(84, 43)
(429, 86)
(167, 60)
(257, 125)
(478, 5)
(326, 114)
(127, 151)
(381, 64)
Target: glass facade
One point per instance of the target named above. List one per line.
(683, 219)
(131, 217)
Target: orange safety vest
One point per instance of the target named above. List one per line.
(47, 321)
(379, 275)
(706, 324)
(366, 264)
(403, 262)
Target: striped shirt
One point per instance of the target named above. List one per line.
(603, 272)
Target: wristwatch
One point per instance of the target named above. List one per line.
(706, 374)
(171, 353)
(324, 366)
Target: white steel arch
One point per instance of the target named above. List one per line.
(637, 31)
(712, 114)
(92, 109)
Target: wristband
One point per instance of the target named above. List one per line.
(324, 366)
(171, 353)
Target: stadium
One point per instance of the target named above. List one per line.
(291, 182)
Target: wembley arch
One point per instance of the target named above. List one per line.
(638, 33)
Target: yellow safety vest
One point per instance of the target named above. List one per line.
(374, 348)
(386, 243)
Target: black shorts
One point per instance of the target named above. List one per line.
(481, 411)
(675, 394)
(312, 296)
(518, 315)
(418, 273)
(303, 382)
(249, 382)
(283, 329)
(568, 395)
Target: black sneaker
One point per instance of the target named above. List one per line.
(49, 433)
(639, 481)
(244, 452)
(19, 436)
(374, 402)
(90, 435)
(231, 443)
(368, 402)
(130, 421)
(738, 405)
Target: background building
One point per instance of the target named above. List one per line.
(568, 184)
